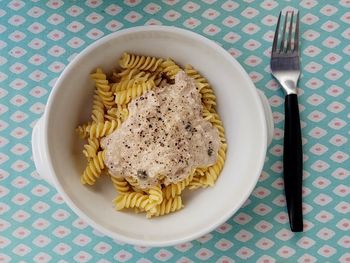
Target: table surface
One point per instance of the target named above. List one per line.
(39, 38)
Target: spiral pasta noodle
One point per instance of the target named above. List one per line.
(103, 88)
(207, 115)
(128, 73)
(134, 184)
(134, 200)
(125, 96)
(155, 195)
(213, 172)
(209, 175)
(167, 206)
(123, 113)
(172, 190)
(97, 109)
(98, 130)
(82, 130)
(120, 184)
(139, 62)
(217, 123)
(126, 84)
(207, 93)
(195, 182)
(170, 68)
(208, 97)
(200, 81)
(129, 76)
(93, 169)
(111, 114)
(112, 95)
(91, 148)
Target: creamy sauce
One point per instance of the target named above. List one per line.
(164, 135)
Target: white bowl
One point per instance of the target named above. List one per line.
(245, 114)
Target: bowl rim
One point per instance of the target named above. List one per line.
(222, 218)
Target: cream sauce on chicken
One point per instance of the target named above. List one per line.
(164, 135)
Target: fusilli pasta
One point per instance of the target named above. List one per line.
(91, 148)
(123, 112)
(212, 172)
(207, 93)
(170, 68)
(120, 184)
(139, 62)
(125, 96)
(172, 190)
(82, 130)
(155, 195)
(97, 109)
(167, 206)
(98, 130)
(134, 200)
(103, 88)
(93, 169)
(195, 182)
(200, 81)
(111, 114)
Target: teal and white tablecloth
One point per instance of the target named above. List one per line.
(39, 38)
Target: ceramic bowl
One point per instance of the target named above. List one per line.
(245, 113)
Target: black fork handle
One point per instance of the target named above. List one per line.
(293, 163)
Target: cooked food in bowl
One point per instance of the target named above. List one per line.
(57, 152)
(155, 131)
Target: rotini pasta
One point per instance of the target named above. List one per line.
(126, 84)
(97, 109)
(119, 113)
(172, 190)
(93, 169)
(200, 81)
(208, 97)
(98, 130)
(128, 73)
(155, 195)
(91, 148)
(121, 185)
(218, 124)
(207, 93)
(209, 175)
(82, 130)
(170, 68)
(113, 92)
(134, 200)
(195, 182)
(139, 62)
(167, 206)
(103, 88)
(134, 185)
(125, 96)
(123, 112)
(212, 172)
(129, 76)
(111, 114)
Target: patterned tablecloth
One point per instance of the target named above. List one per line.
(39, 38)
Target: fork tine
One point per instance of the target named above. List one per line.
(289, 43)
(275, 38)
(296, 34)
(284, 33)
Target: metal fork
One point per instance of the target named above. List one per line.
(285, 67)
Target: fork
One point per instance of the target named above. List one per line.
(285, 67)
